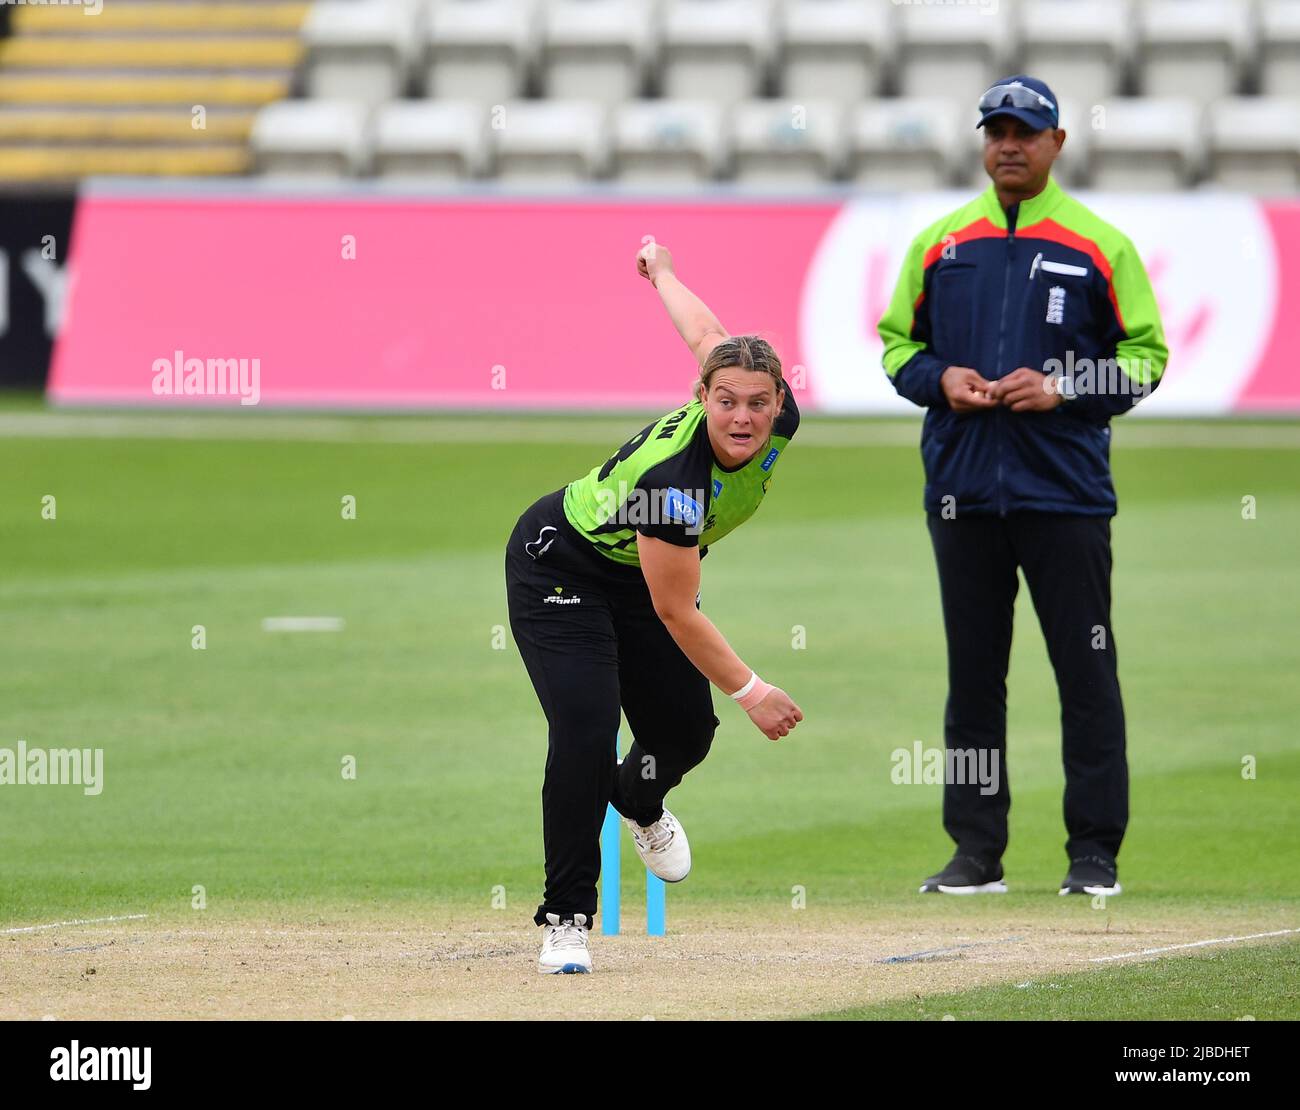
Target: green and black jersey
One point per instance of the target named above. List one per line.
(665, 482)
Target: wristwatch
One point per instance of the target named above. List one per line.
(1063, 386)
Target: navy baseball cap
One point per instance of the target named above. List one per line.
(1026, 98)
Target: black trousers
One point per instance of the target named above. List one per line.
(592, 643)
(1066, 561)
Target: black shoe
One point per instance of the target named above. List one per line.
(1091, 875)
(966, 875)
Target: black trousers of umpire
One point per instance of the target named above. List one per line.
(1066, 561)
(592, 642)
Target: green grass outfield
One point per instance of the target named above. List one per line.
(1261, 983)
(222, 766)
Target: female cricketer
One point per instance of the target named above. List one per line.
(603, 579)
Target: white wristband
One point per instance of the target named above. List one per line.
(753, 678)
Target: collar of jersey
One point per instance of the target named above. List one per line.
(1033, 210)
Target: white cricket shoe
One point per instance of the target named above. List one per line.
(663, 847)
(564, 945)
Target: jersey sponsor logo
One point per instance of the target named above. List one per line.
(679, 506)
(634, 507)
(766, 464)
(558, 598)
(717, 487)
(535, 549)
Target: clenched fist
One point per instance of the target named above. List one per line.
(652, 260)
(776, 714)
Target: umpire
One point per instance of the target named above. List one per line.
(1022, 323)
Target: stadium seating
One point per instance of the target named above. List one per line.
(834, 50)
(1160, 94)
(313, 138)
(903, 143)
(595, 50)
(481, 51)
(1144, 144)
(669, 142)
(1254, 144)
(781, 143)
(1279, 40)
(1192, 48)
(552, 141)
(943, 50)
(432, 141)
(140, 88)
(362, 52)
(716, 49)
(1084, 44)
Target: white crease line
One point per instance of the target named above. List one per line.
(61, 924)
(1193, 944)
(302, 624)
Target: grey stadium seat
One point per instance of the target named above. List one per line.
(323, 139)
(785, 143)
(479, 50)
(1254, 144)
(551, 141)
(1279, 32)
(1192, 48)
(953, 51)
(359, 49)
(905, 144)
(717, 50)
(596, 49)
(669, 142)
(833, 49)
(1146, 144)
(444, 141)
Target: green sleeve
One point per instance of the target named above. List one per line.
(1138, 340)
(905, 332)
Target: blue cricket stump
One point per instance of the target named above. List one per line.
(610, 875)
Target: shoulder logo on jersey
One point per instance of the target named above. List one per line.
(766, 464)
(717, 487)
(681, 507)
(535, 549)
